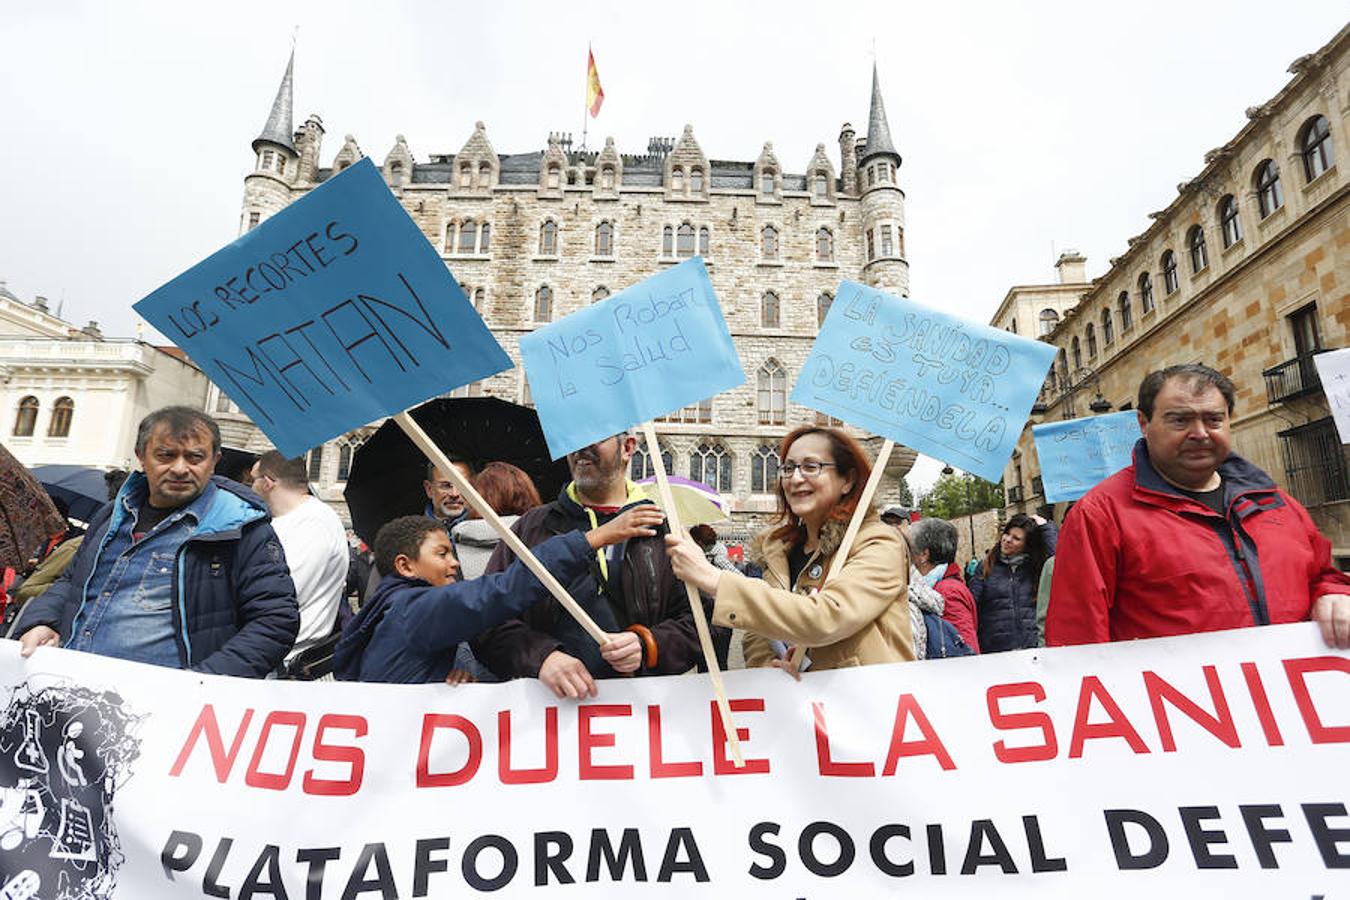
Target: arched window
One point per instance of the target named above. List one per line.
(468, 237)
(484, 174)
(1108, 327)
(604, 239)
(1077, 353)
(641, 465)
(768, 242)
(62, 412)
(314, 464)
(346, 450)
(1146, 293)
(607, 178)
(1063, 367)
(1195, 240)
(1091, 335)
(450, 238)
(543, 304)
(466, 175)
(396, 173)
(771, 400)
(1169, 269)
(684, 240)
(548, 238)
(763, 469)
(704, 240)
(820, 186)
(823, 304)
(484, 234)
(599, 294)
(1126, 311)
(26, 421)
(554, 180)
(1269, 194)
(824, 245)
(479, 298)
(677, 179)
(711, 464)
(696, 181)
(1229, 223)
(1048, 320)
(667, 241)
(1315, 147)
(769, 310)
(766, 182)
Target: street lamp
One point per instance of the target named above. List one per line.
(970, 503)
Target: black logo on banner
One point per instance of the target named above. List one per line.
(64, 751)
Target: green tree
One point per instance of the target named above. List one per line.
(954, 495)
(906, 495)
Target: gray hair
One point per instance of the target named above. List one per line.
(182, 422)
(937, 536)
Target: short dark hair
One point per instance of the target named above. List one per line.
(290, 472)
(1197, 375)
(432, 468)
(182, 422)
(937, 536)
(401, 537)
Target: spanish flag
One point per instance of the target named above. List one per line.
(595, 94)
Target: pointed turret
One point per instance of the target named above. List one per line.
(279, 129)
(878, 129)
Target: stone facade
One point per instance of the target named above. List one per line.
(1259, 285)
(534, 236)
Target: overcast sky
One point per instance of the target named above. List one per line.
(1025, 128)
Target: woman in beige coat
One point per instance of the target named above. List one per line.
(859, 617)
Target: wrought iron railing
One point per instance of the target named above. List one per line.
(1292, 378)
(1315, 463)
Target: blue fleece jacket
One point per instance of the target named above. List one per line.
(407, 631)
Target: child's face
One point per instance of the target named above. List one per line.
(435, 562)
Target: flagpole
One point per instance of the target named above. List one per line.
(585, 106)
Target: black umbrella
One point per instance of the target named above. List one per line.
(82, 489)
(235, 462)
(388, 469)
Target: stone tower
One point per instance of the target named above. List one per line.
(883, 203)
(267, 189)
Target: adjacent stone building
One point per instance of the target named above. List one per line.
(533, 236)
(1248, 270)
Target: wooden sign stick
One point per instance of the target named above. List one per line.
(851, 533)
(438, 457)
(695, 602)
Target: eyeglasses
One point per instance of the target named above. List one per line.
(808, 469)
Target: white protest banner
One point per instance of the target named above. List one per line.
(1205, 766)
(1334, 369)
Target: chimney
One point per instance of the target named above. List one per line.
(92, 330)
(40, 303)
(1072, 267)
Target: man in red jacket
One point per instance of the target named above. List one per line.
(1190, 538)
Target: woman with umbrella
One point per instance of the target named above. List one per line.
(860, 616)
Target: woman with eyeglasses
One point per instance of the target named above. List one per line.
(860, 616)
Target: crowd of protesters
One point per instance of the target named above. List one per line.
(187, 569)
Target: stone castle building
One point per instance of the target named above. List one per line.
(1248, 271)
(534, 236)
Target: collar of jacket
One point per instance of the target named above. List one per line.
(1240, 479)
(763, 547)
(571, 503)
(221, 509)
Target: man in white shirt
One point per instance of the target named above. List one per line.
(314, 541)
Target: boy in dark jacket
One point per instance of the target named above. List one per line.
(408, 629)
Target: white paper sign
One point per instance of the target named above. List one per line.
(1333, 368)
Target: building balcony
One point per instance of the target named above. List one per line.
(1295, 378)
(1315, 463)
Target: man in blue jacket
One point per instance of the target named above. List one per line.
(182, 569)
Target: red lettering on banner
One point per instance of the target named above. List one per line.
(1221, 724)
(207, 725)
(276, 781)
(1118, 726)
(543, 775)
(1297, 670)
(722, 764)
(1261, 703)
(338, 753)
(659, 767)
(433, 722)
(1048, 746)
(587, 741)
(930, 745)
(826, 765)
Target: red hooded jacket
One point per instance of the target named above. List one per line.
(1137, 558)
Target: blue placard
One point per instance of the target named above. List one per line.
(331, 314)
(1078, 454)
(638, 354)
(952, 389)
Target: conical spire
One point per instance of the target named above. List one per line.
(878, 129)
(279, 129)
